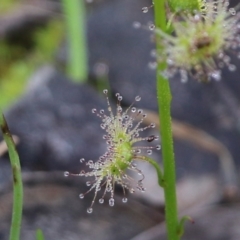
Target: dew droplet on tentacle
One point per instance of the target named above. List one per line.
(111, 202)
(81, 195)
(90, 210)
(145, 9)
(137, 98)
(136, 25)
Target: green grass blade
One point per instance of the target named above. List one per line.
(17, 181)
(75, 15)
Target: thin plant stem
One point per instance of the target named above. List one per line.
(17, 181)
(157, 168)
(164, 103)
(75, 15)
(39, 235)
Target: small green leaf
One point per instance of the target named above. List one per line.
(181, 224)
(39, 235)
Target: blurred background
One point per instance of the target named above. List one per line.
(56, 57)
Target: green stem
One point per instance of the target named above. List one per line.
(75, 22)
(17, 181)
(164, 104)
(158, 170)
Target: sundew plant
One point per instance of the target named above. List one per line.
(194, 40)
(204, 40)
(122, 136)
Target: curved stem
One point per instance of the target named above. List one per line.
(181, 224)
(164, 104)
(158, 170)
(17, 181)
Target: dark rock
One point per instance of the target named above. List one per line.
(55, 124)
